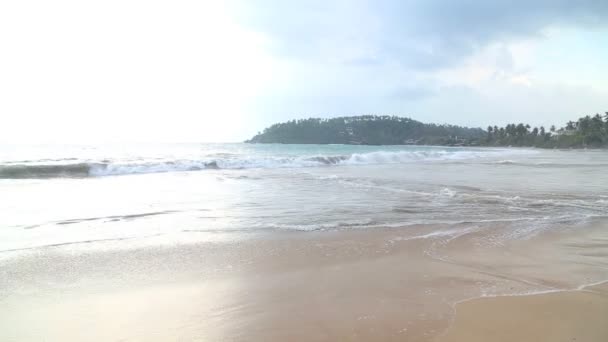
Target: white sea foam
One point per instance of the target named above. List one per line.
(447, 192)
(40, 169)
(364, 223)
(435, 234)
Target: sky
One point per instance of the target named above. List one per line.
(220, 71)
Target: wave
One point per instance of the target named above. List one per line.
(45, 170)
(72, 169)
(546, 164)
(81, 170)
(328, 160)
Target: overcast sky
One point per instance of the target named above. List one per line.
(92, 71)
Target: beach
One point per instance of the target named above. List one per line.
(306, 171)
(304, 243)
(384, 284)
(578, 315)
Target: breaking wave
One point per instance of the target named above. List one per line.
(80, 170)
(45, 170)
(68, 168)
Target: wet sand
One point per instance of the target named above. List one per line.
(377, 284)
(580, 316)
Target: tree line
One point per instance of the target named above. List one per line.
(588, 131)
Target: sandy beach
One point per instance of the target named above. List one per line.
(557, 317)
(381, 284)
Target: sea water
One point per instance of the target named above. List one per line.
(96, 196)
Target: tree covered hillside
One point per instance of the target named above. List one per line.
(368, 129)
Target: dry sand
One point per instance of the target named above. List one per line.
(580, 316)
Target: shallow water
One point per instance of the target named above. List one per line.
(51, 195)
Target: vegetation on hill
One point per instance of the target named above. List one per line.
(368, 130)
(588, 131)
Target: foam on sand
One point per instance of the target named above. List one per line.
(578, 315)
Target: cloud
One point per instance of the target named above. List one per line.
(419, 35)
(218, 71)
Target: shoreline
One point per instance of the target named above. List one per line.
(582, 287)
(375, 284)
(560, 315)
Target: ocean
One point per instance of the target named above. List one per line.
(129, 195)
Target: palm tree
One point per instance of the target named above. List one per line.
(597, 122)
(584, 124)
(521, 129)
(571, 125)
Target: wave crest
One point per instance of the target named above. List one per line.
(20, 171)
(43, 169)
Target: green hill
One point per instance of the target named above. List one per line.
(368, 130)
